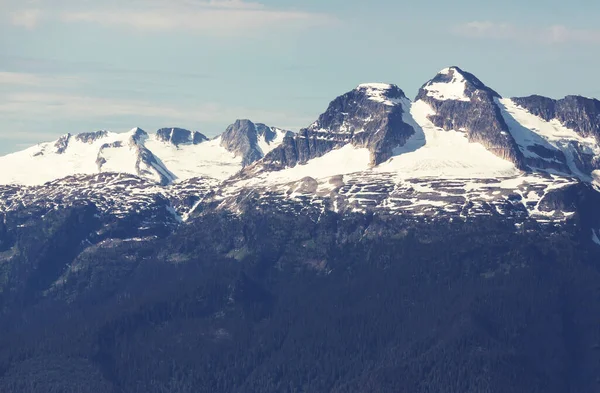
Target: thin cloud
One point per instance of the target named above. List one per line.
(557, 34)
(75, 107)
(223, 17)
(22, 135)
(28, 18)
(222, 21)
(37, 80)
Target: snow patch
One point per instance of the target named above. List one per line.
(378, 92)
(453, 90)
(596, 179)
(205, 159)
(267, 147)
(433, 152)
(347, 159)
(595, 238)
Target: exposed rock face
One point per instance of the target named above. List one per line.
(463, 103)
(369, 116)
(242, 138)
(180, 136)
(577, 113)
(85, 137)
(62, 143)
(91, 137)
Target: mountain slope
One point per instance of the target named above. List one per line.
(86, 153)
(461, 102)
(170, 154)
(370, 116)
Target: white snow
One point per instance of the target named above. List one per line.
(265, 146)
(433, 152)
(205, 159)
(596, 179)
(40, 164)
(453, 90)
(347, 159)
(378, 92)
(595, 238)
(529, 130)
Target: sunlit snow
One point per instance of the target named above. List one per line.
(378, 92)
(41, 163)
(205, 159)
(433, 152)
(453, 90)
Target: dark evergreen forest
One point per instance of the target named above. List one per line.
(272, 303)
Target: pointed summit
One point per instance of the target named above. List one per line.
(459, 101)
(369, 116)
(453, 83)
(251, 141)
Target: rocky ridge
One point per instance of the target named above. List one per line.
(459, 150)
(369, 116)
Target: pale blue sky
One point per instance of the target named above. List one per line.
(83, 65)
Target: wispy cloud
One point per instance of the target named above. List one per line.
(77, 107)
(37, 80)
(28, 18)
(556, 34)
(224, 17)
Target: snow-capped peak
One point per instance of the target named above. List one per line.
(452, 83)
(449, 84)
(385, 93)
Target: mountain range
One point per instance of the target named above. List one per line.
(458, 149)
(446, 243)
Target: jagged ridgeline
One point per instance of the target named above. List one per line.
(449, 243)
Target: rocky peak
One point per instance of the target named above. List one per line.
(365, 106)
(241, 138)
(180, 136)
(462, 102)
(138, 136)
(251, 141)
(369, 116)
(454, 84)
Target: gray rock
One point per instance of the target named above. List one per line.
(241, 138)
(369, 116)
(479, 117)
(62, 143)
(91, 137)
(265, 131)
(180, 136)
(580, 114)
